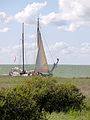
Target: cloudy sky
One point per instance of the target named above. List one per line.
(65, 27)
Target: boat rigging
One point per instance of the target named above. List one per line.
(41, 65)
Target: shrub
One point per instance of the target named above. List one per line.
(54, 97)
(38, 94)
(16, 104)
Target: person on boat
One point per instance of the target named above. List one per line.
(33, 73)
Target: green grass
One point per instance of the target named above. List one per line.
(7, 81)
(82, 83)
(73, 115)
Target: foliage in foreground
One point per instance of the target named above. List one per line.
(71, 115)
(17, 104)
(53, 97)
(28, 101)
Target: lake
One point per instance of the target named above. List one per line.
(60, 71)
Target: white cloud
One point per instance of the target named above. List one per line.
(76, 12)
(27, 15)
(72, 15)
(4, 18)
(59, 46)
(49, 18)
(30, 46)
(4, 30)
(32, 36)
(62, 50)
(16, 52)
(66, 49)
(85, 48)
(16, 49)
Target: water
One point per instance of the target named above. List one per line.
(60, 71)
(72, 71)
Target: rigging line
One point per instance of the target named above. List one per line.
(47, 46)
(20, 53)
(34, 52)
(35, 55)
(25, 53)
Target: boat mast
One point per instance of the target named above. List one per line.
(23, 47)
(38, 31)
(38, 24)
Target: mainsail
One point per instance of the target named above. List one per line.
(41, 61)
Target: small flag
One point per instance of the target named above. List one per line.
(15, 59)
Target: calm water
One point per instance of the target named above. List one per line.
(60, 71)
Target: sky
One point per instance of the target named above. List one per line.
(64, 24)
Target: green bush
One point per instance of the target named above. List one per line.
(36, 95)
(54, 97)
(16, 104)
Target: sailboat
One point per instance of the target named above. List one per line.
(41, 65)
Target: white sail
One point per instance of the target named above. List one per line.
(41, 61)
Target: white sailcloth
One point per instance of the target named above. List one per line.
(41, 61)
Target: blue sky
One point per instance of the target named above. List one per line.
(65, 27)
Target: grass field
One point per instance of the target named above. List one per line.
(82, 83)
(84, 115)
